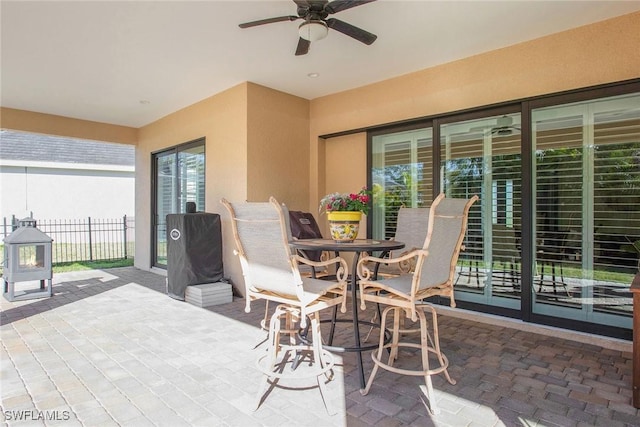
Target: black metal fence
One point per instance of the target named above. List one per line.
(87, 239)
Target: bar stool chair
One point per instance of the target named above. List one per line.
(433, 276)
(552, 253)
(261, 232)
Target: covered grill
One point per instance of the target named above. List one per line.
(27, 257)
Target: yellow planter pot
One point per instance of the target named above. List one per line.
(344, 225)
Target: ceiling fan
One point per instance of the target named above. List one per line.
(316, 22)
(504, 126)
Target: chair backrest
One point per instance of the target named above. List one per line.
(412, 227)
(447, 227)
(505, 243)
(261, 232)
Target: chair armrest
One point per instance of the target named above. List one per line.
(341, 265)
(365, 273)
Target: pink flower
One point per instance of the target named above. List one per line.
(348, 202)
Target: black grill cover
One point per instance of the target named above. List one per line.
(194, 251)
(304, 226)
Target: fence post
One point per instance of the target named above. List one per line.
(90, 242)
(124, 228)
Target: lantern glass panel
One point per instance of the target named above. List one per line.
(31, 257)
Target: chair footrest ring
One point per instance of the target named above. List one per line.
(441, 368)
(277, 371)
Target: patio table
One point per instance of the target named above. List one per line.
(356, 247)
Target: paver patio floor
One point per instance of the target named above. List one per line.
(111, 348)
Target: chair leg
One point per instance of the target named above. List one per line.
(319, 359)
(283, 344)
(332, 330)
(435, 343)
(554, 278)
(273, 347)
(376, 315)
(395, 336)
(428, 343)
(477, 273)
(293, 337)
(377, 353)
(564, 284)
(432, 344)
(265, 320)
(424, 343)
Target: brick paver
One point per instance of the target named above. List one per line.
(111, 348)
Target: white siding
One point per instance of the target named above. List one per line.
(65, 191)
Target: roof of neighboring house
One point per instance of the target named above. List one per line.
(47, 148)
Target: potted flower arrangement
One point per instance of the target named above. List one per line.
(344, 212)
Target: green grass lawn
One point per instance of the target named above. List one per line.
(63, 252)
(569, 271)
(92, 265)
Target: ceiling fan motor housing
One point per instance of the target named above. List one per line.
(314, 11)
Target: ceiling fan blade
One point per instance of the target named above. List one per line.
(268, 21)
(340, 5)
(303, 47)
(351, 31)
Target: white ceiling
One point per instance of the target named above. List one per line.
(97, 60)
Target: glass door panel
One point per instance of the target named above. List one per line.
(191, 178)
(402, 170)
(165, 196)
(587, 207)
(482, 157)
(179, 178)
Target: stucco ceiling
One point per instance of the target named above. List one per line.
(133, 62)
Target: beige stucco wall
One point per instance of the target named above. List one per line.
(49, 124)
(600, 53)
(256, 147)
(345, 171)
(278, 147)
(220, 119)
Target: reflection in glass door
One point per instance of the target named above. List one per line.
(482, 157)
(558, 246)
(178, 178)
(401, 174)
(587, 209)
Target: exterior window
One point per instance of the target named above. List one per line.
(179, 177)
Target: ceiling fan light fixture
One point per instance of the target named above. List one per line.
(313, 30)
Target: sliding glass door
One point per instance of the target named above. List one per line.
(178, 178)
(555, 236)
(401, 175)
(587, 209)
(482, 157)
